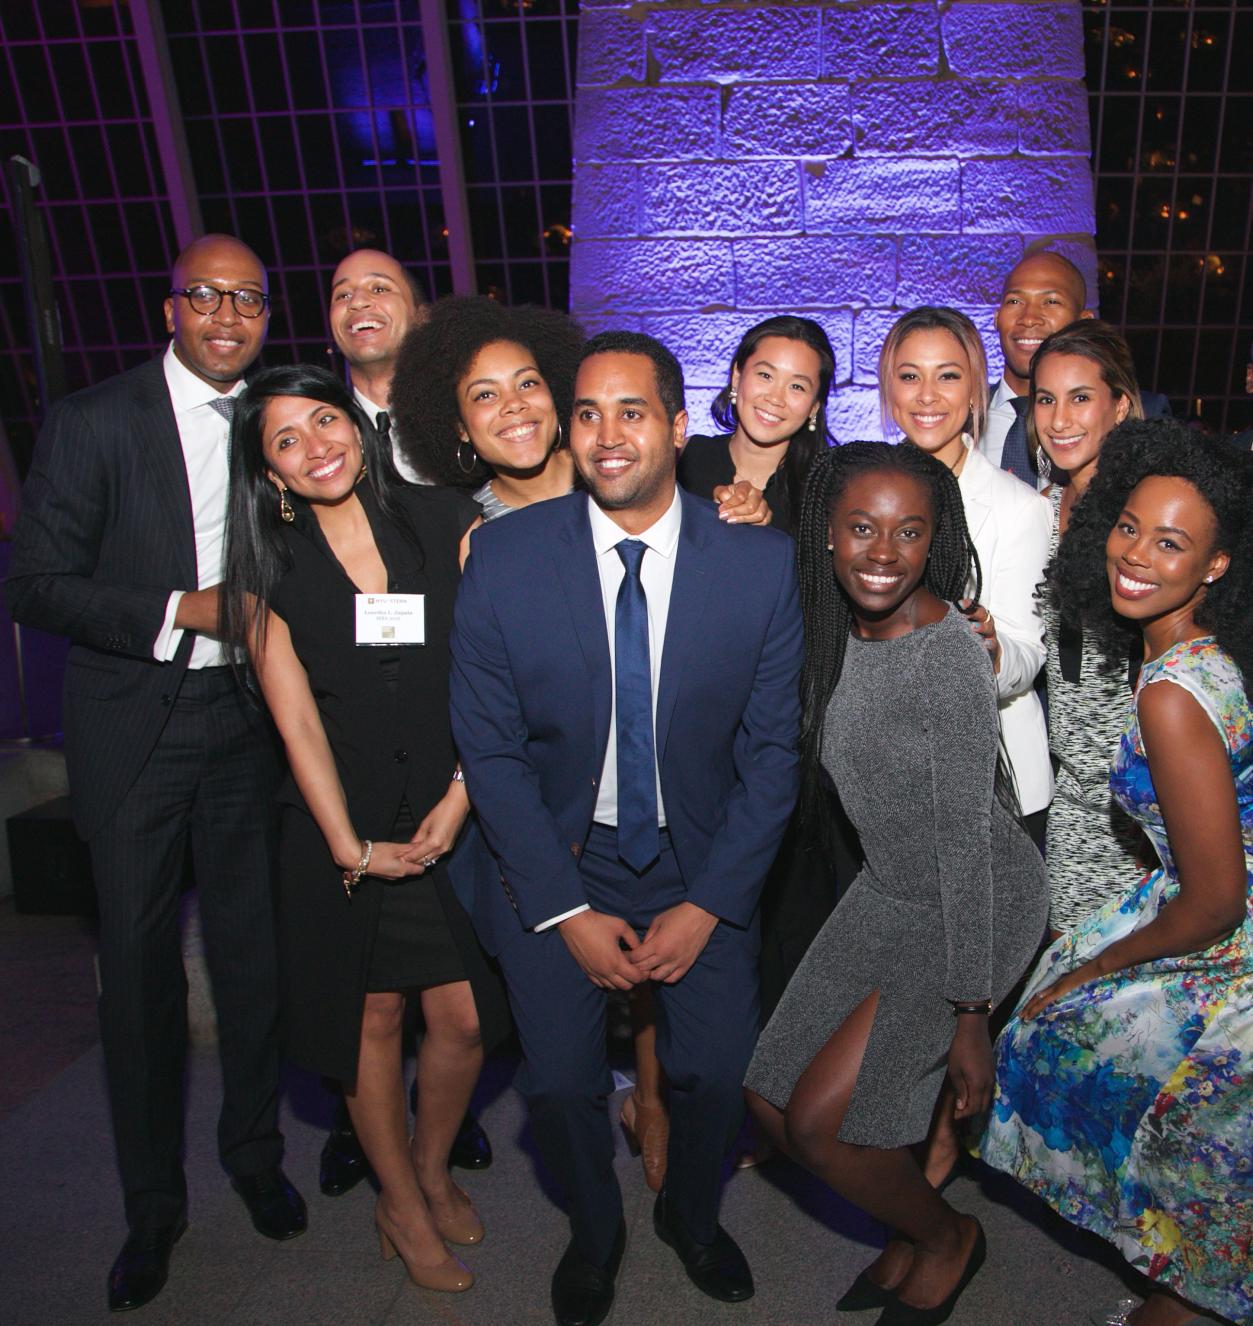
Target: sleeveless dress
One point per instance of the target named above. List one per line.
(1091, 840)
(1128, 1105)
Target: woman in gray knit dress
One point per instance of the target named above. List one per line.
(900, 711)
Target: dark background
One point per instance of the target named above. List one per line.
(310, 134)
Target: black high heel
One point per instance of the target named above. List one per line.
(864, 1294)
(903, 1314)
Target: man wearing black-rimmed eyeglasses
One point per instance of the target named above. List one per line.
(119, 546)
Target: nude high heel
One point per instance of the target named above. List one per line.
(450, 1276)
(466, 1228)
(647, 1132)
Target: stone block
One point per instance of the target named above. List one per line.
(880, 40)
(897, 195)
(608, 320)
(941, 117)
(643, 124)
(612, 45)
(705, 342)
(802, 120)
(950, 269)
(699, 417)
(735, 45)
(853, 414)
(606, 200)
(1028, 195)
(1053, 119)
(635, 275)
(798, 274)
(1014, 40)
(870, 329)
(710, 198)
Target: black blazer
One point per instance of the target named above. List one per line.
(104, 534)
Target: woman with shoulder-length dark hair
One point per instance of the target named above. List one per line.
(774, 411)
(899, 710)
(1124, 1097)
(340, 581)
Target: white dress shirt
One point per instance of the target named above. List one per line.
(1001, 416)
(205, 437)
(657, 577)
(372, 413)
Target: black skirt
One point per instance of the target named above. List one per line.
(414, 944)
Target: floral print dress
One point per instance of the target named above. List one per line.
(1128, 1104)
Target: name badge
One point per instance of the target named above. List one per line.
(391, 619)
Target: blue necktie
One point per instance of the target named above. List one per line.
(637, 765)
(1015, 458)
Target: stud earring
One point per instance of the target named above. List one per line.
(813, 423)
(1209, 580)
(734, 396)
(285, 507)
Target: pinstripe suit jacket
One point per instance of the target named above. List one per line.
(104, 534)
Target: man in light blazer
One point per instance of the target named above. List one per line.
(625, 704)
(119, 546)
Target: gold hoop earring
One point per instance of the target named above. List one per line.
(462, 465)
(284, 507)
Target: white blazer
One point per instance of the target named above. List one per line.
(1010, 525)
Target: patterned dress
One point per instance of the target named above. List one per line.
(1092, 842)
(1128, 1104)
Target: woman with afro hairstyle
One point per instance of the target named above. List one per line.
(1124, 1089)
(899, 710)
(482, 396)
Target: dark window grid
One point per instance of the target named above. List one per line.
(486, 105)
(69, 313)
(138, 100)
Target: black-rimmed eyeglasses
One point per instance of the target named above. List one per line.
(206, 299)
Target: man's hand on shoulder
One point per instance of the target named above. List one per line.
(674, 941)
(595, 942)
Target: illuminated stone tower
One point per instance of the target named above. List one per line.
(848, 161)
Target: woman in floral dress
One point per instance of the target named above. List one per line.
(1124, 1090)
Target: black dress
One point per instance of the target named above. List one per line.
(705, 464)
(801, 889)
(385, 713)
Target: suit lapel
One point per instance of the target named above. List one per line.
(156, 436)
(577, 573)
(689, 595)
(975, 495)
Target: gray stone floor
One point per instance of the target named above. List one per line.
(60, 1215)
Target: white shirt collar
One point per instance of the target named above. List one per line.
(372, 411)
(1002, 396)
(662, 536)
(187, 391)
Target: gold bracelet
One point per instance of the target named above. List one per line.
(352, 878)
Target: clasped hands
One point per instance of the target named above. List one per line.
(614, 957)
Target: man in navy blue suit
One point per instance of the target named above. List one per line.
(625, 703)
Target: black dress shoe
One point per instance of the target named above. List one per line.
(141, 1268)
(582, 1291)
(864, 1294)
(471, 1149)
(343, 1164)
(717, 1269)
(276, 1208)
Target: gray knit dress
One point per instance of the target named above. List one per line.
(953, 899)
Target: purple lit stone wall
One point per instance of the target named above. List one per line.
(846, 161)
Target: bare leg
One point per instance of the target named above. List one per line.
(943, 1146)
(648, 1074)
(379, 1115)
(450, 1059)
(885, 1182)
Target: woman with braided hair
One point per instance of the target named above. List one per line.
(900, 712)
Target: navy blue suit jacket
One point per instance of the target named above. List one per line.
(530, 691)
